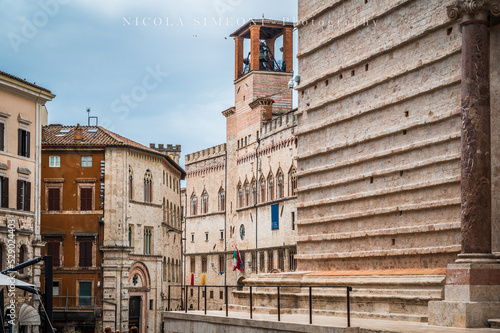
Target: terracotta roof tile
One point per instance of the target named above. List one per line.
(24, 81)
(59, 135)
(65, 135)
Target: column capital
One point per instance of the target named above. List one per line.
(473, 9)
(255, 27)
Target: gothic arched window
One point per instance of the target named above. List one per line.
(222, 200)
(130, 183)
(262, 185)
(280, 182)
(194, 202)
(204, 202)
(148, 186)
(292, 181)
(247, 193)
(239, 191)
(270, 187)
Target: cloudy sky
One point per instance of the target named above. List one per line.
(153, 70)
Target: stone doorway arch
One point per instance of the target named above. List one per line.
(139, 282)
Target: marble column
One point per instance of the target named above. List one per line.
(476, 151)
(472, 290)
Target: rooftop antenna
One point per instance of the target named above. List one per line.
(89, 117)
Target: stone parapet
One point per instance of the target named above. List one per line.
(211, 152)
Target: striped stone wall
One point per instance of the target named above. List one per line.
(379, 135)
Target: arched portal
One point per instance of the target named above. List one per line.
(139, 282)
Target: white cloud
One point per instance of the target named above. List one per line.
(88, 59)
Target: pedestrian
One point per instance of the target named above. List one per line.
(117, 331)
(134, 330)
(107, 329)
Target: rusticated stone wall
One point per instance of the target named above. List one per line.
(379, 132)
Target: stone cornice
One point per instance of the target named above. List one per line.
(261, 101)
(472, 9)
(226, 113)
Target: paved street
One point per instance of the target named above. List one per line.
(372, 324)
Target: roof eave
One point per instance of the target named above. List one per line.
(174, 164)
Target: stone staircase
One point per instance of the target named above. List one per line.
(396, 295)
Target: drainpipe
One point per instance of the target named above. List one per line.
(101, 225)
(225, 222)
(185, 244)
(255, 203)
(183, 251)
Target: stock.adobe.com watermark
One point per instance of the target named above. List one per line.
(31, 25)
(11, 261)
(132, 99)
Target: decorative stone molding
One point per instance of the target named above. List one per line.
(23, 119)
(53, 235)
(85, 234)
(261, 101)
(24, 171)
(228, 112)
(471, 8)
(53, 180)
(266, 104)
(86, 180)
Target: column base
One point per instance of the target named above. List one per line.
(462, 314)
(475, 258)
(472, 293)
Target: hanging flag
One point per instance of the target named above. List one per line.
(237, 260)
(203, 279)
(192, 279)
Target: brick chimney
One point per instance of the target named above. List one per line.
(78, 133)
(264, 106)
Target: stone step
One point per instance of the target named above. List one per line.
(341, 297)
(387, 305)
(494, 323)
(336, 313)
(392, 295)
(379, 281)
(435, 293)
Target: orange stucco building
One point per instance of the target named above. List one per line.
(71, 211)
(111, 221)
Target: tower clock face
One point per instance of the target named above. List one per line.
(242, 232)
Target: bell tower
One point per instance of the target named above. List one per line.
(262, 72)
(262, 55)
